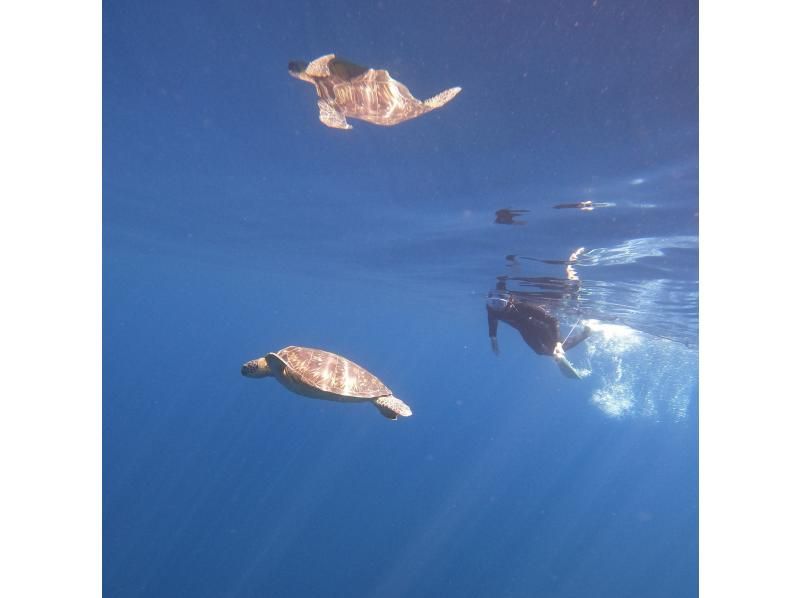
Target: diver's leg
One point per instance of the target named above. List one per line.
(577, 338)
(533, 339)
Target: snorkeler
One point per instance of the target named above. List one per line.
(538, 328)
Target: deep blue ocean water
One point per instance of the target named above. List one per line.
(235, 223)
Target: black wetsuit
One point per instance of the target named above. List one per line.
(537, 327)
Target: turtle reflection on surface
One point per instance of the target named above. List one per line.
(346, 89)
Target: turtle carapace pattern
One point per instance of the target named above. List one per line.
(346, 89)
(320, 374)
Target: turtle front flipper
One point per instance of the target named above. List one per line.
(319, 67)
(331, 117)
(391, 407)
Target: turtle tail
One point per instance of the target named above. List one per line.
(441, 99)
(391, 407)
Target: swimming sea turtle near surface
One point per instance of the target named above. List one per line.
(346, 89)
(322, 375)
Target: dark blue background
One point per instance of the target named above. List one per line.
(235, 223)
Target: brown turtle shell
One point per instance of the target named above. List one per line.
(372, 95)
(332, 373)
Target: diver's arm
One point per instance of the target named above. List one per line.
(493, 331)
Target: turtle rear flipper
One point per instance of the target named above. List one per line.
(441, 99)
(391, 407)
(331, 117)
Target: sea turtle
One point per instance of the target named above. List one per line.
(322, 375)
(346, 89)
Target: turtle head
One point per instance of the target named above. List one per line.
(297, 69)
(256, 368)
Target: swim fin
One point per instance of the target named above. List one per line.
(563, 363)
(567, 368)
